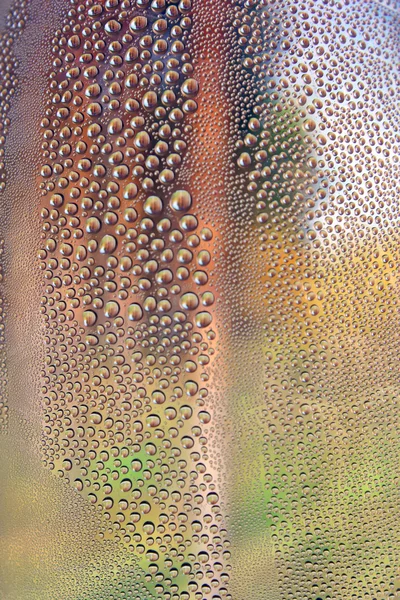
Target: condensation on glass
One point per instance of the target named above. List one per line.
(199, 299)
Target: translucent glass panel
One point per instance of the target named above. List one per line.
(200, 287)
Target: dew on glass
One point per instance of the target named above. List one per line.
(199, 282)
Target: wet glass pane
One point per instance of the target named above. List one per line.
(199, 294)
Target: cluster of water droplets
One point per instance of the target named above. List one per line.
(218, 268)
(316, 142)
(126, 300)
(15, 23)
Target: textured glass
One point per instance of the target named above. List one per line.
(199, 326)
